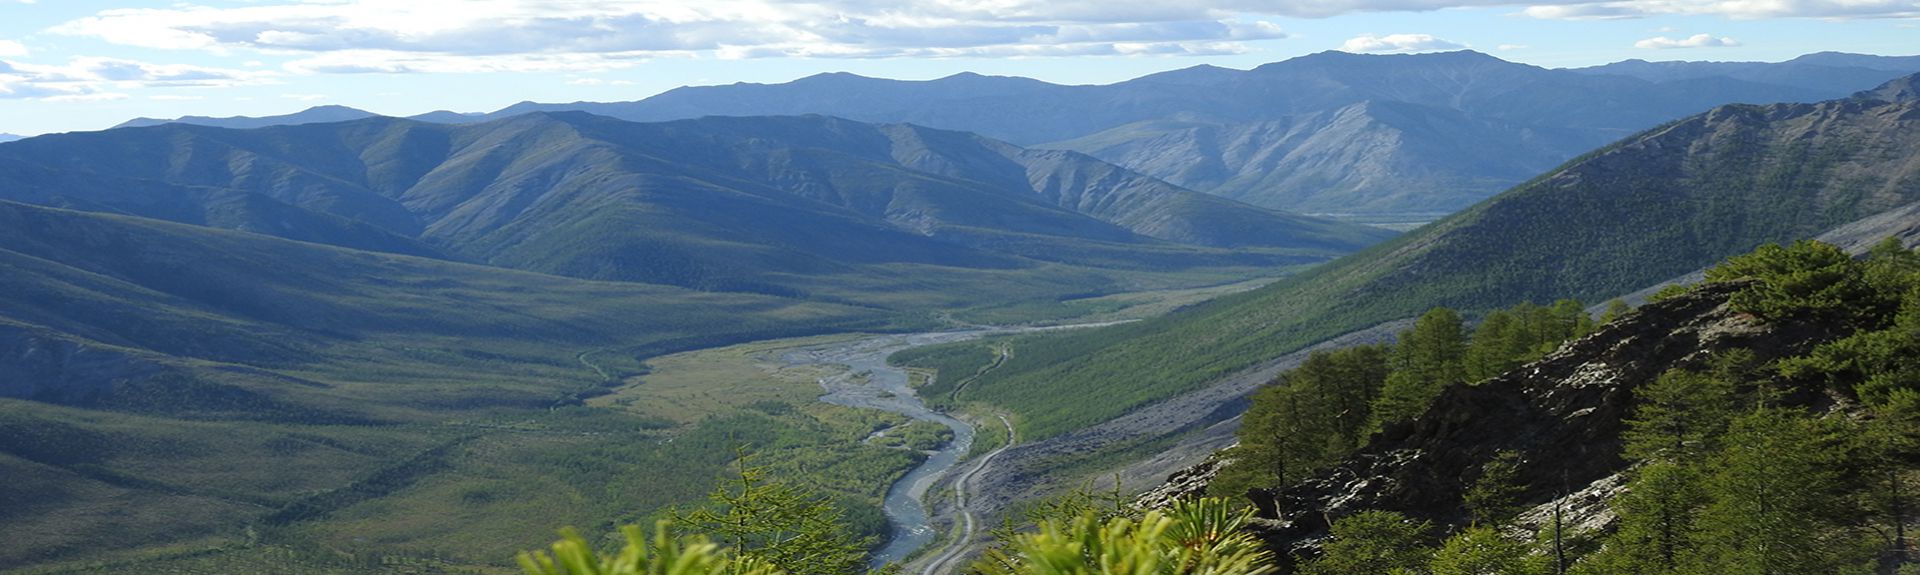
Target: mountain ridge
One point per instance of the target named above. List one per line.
(773, 205)
(1549, 115)
(313, 115)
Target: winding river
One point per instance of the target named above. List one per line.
(886, 388)
(869, 383)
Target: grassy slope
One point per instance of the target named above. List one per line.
(1604, 224)
(365, 403)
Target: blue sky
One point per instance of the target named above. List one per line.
(88, 64)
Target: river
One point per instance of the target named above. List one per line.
(887, 388)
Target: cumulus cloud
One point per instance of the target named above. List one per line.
(12, 48)
(1397, 44)
(95, 78)
(1694, 41)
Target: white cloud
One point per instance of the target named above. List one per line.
(93, 76)
(1694, 41)
(1738, 9)
(434, 36)
(90, 97)
(12, 48)
(175, 98)
(1397, 44)
(345, 36)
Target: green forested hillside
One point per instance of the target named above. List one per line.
(1652, 207)
(1761, 422)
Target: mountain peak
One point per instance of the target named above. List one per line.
(313, 115)
(829, 76)
(1337, 57)
(1902, 89)
(332, 108)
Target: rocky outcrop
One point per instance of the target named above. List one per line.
(1563, 415)
(1182, 485)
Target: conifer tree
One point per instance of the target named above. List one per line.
(1380, 542)
(1616, 308)
(1777, 502)
(786, 526)
(1427, 359)
(1484, 551)
(1494, 497)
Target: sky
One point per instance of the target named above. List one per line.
(69, 65)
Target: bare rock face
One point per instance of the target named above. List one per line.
(1563, 415)
(1588, 510)
(1182, 485)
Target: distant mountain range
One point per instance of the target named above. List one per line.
(1325, 133)
(9, 137)
(314, 115)
(796, 206)
(1818, 71)
(1652, 207)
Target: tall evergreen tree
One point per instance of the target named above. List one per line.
(1778, 505)
(1658, 529)
(1489, 354)
(1678, 417)
(1494, 497)
(1428, 358)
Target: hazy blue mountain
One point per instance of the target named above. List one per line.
(314, 115)
(1369, 157)
(1905, 89)
(1819, 71)
(9, 137)
(788, 205)
(449, 117)
(1328, 132)
(1025, 111)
